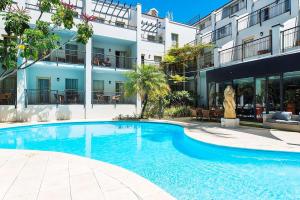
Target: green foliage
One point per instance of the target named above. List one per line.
(37, 41)
(177, 78)
(178, 111)
(16, 22)
(64, 16)
(4, 4)
(85, 31)
(149, 82)
(8, 52)
(180, 98)
(46, 5)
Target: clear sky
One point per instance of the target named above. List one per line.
(183, 10)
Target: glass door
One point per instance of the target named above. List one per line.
(260, 97)
(43, 96)
(274, 93)
(120, 59)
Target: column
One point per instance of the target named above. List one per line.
(276, 39)
(138, 49)
(216, 58)
(21, 96)
(168, 41)
(88, 63)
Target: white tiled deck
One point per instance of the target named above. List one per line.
(37, 175)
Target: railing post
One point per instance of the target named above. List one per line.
(57, 99)
(243, 51)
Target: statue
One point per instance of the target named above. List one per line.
(229, 103)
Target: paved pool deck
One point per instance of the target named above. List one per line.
(39, 175)
(241, 137)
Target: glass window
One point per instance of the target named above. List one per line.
(98, 85)
(174, 39)
(119, 87)
(244, 91)
(212, 95)
(220, 87)
(274, 93)
(260, 94)
(71, 84)
(291, 92)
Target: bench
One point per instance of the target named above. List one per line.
(282, 121)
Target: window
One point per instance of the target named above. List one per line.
(98, 55)
(119, 88)
(157, 59)
(98, 85)
(71, 52)
(174, 40)
(265, 14)
(151, 38)
(71, 84)
(120, 24)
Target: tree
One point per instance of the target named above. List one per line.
(179, 58)
(23, 41)
(149, 82)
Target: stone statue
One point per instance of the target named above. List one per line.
(229, 103)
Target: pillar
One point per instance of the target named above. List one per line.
(276, 39)
(88, 62)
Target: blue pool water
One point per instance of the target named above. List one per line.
(186, 168)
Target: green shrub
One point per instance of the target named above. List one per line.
(180, 98)
(178, 111)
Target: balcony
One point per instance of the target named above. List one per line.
(207, 60)
(100, 97)
(152, 38)
(230, 10)
(8, 97)
(51, 97)
(70, 56)
(290, 39)
(113, 62)
(246, 50)
(217, 34)
(268, 12)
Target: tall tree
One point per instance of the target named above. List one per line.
(38, 40)
(149, 82)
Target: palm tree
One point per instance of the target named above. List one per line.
(147, 81)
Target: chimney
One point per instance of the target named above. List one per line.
(153, 12)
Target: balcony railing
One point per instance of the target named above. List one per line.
(230, 10)
(247, 50)
(217, 34)
(66, 56)
(46, 97)
(268, 12)
(119, 24)
(290, 38)
(8, 97)
(152, 38)
(151, 62)
(100, 97)
(207, 60)
(115, 62)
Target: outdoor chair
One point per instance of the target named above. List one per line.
(199, 113)
(206, 114)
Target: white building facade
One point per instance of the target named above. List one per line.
(86, 81)
(255, 50)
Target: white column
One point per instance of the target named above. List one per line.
(168, 41)
(294, 6)
(216, 57)
(276, 39)
(234, 29)
(21, 86)
(138, 32)
(138, 49)
(88, 63)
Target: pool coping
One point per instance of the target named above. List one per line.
(140, 187)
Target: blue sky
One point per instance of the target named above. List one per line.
(183, 10)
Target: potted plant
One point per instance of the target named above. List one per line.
(290, 101)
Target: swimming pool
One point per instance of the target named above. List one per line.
(163, 154)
